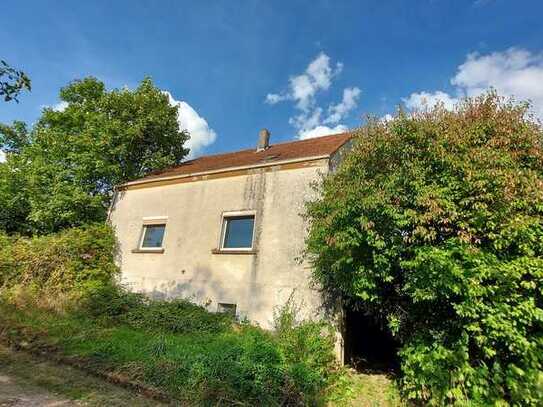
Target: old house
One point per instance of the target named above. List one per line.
(226, 230)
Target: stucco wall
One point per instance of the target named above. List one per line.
(257, 283)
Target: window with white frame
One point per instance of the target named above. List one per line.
(152, 236)
(237, 231)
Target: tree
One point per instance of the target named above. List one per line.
(72, 158)
(434, 224)
(12, 82)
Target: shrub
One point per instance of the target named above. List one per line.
(308, 348)
(176, 316)
(70, 261)
(434, 224)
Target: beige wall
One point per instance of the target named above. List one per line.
(257, 283)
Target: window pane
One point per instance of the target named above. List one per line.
(239, 232)
(153, 236)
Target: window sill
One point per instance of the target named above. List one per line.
(220, 251)
(157, 251)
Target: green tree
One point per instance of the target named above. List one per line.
(434, 224)
(70, 161)
(12, 82)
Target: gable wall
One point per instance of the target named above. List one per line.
(257, 283)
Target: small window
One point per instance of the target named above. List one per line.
(152, 236)
(227, 309)
(238, 232)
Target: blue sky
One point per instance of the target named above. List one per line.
(298, 68)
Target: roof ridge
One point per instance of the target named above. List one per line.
(282, 143)
(317, 146)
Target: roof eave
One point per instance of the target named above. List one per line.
(226, 169)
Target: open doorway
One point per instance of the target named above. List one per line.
(369, 347)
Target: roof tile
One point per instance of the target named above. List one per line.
(320, 146)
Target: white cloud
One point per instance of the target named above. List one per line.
(303, 90)
(322, 131)
(201, 135)
(423, 100)
(387, 118)
(273, 98)
(338, 111)
(2, 156)
(60, 106)
(514, 72)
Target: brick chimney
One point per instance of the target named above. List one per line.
(263, 140)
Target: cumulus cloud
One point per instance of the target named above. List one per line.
(421, 100)
(302, 88)
(321, 131)
(201, 135)
(60, 106)
(338, 111)
(302, 91)
(387, 118)
(514, 72)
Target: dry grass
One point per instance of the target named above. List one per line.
(366, 390)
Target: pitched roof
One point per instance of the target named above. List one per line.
(311, 148)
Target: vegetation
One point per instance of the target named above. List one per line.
(62, 172)
(58, 294)
(12, 82)
(34, 379)
(434, 224)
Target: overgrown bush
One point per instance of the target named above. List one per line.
(194, 356)
(67, 262)
(434, 224)
(111, 301)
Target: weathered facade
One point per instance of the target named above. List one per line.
(226, 231)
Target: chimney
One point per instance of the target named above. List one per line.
(263, 140)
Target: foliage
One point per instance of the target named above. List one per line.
(12, 82)
(227, 365)
(138, 311)
(308, 348)
(69, 162)
(72, 261)
(59, 292)
(434, 224)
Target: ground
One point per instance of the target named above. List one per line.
(368, 390)
(26, 381)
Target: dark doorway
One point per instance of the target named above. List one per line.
(369, 347)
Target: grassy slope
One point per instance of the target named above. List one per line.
(134, 354)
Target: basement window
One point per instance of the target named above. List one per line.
(229, 309)
(152, 236)
(237, 232)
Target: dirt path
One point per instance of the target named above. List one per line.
(15, 393)
(30, 382)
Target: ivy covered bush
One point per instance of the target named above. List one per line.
(434, 224)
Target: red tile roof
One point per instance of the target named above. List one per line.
(315, 147)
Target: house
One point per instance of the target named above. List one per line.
(226, 230)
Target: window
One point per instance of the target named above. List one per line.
(237, 232)
(227, 309)
(152, 236)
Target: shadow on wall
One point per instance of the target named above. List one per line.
(207, 290)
